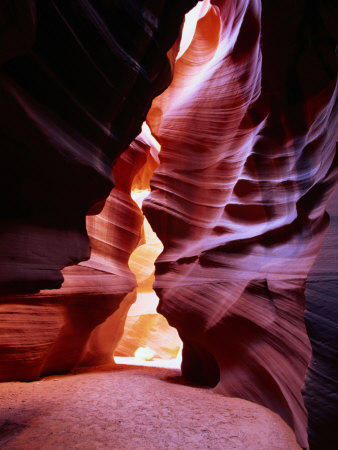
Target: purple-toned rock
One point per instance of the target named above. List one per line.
(248, 132)
(76, 82)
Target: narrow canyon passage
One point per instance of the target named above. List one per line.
(222, 116)
(147, 332)
(132, 408)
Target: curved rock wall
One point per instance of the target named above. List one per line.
(76, 81)
(321, 388)
(80, 324)
(247, 130)
(144, 327)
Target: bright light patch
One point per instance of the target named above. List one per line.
(159, 344)
(146, 133)
(190, 22)
(144, 354)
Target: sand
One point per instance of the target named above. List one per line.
(131, 407)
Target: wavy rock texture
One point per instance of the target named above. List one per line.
(54, 331)
(247, 130)
(321, 388)
(115, 234)
(81, 324)
(77, 79)
(144, 327)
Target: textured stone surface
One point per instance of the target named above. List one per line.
(75, 86)
(132, 408)
(247, 130)
(321, 388)
(92, 304)
(54, 331)
(27, 332)
(76, 81)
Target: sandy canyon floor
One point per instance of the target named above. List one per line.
(132, 407)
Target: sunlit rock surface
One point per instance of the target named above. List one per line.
(50, 332)
(75, 86)
(144, 327)
(82, 323)
(76, 81)
(247, 130)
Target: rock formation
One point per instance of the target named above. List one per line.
(320, 392)
(56, 330)
(77, 79)
(144, 327)
(247, 131)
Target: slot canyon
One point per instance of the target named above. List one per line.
(168, 173)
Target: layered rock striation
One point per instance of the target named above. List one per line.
(77, 79)
(248, 129)
(321, 318)
(81, 324)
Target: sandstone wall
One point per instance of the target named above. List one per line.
(248, 131)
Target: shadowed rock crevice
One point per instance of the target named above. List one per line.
(247, 129)
(77, 80)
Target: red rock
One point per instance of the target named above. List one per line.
(247, 164)
(247, 129)
(27, 332)
(91, 306)
(75, 87)
(74, 91)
